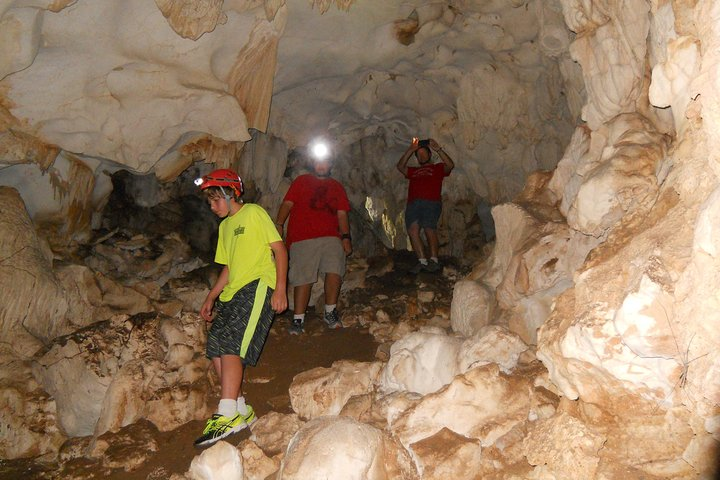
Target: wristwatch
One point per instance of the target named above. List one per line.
(345, 236)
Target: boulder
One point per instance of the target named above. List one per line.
(481, 404)
(471, 308)
(324, 391)
(222, 461)
(339, 447)
(256, 464)
(421, 362)
(272, 432)
(492, 344)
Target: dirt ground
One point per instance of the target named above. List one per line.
(266, 386)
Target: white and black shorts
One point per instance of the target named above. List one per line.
(242, 324)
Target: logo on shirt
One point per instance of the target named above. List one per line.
(239, 231)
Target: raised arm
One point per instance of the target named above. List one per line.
(402, 163)
(447, 161)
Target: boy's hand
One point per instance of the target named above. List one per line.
(206, 310)
(278, 301)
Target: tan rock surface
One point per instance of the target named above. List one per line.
(324, 391)
(331, 446)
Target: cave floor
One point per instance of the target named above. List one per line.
(266, 386)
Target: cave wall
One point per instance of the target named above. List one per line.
(164, 85)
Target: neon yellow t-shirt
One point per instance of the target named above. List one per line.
(244, 246)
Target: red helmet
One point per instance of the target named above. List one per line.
(223, 177)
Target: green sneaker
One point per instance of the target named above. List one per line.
(219, 427)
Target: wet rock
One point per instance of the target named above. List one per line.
(272, 432)
(472, 307)
(421, 362)
(324, 391)
(329, 445)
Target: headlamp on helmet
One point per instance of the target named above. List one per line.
(223, 177)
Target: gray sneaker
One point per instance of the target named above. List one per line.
(419, 267)
(433, 266)
(332, 320)
(296, 327)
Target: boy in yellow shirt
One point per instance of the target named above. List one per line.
(249, 291)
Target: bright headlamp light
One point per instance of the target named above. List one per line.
(319, 150)
(199, 181)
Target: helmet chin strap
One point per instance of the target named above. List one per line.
(227, 199)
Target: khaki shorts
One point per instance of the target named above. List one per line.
(309, 258)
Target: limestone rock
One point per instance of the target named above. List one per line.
(128, 449)
(482, 404)
(256, 465)
(324, 391)
(36, 306)
(563, 446)
(448, 455)
(513, 226)
(147, 84)
(113, 373)
(619, 178)
(27, 413)
(671, 79)
(471, 308)
(492, 344)
(192, 19)
(332, 447)
(222, 461)
(272, 432)
(541, 270)
(421, 362)
(613, 78)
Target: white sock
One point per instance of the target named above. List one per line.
(241, 407)
(227, 407)
(434, 259)
(299, 316)
(423, 261)
(330, 308)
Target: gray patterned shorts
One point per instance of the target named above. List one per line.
(242, 324)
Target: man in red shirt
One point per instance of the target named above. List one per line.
(424, 202)
(318, 239)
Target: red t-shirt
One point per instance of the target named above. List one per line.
(426, 182)
(316, 202)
